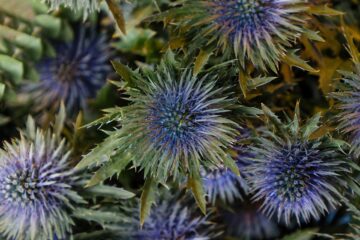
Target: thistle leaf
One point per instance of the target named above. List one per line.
(311, 126)
(305, 234)
(118, 14)
(2, 90)
(101, 153)
(109, 191)
(147, 199)
(243, 79)
(324, 10)
(60, 120)
(270, 115)
(195, 184)
(97, 216)
(201, 60)
(295, 61)
(115, 165)
(254, 83)
(124, 72)
(312, 35)
(230, 163)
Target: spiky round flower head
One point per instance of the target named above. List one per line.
(295, 176)
(222, 183)
(245, 221)
(36, 184)
(256, 31)
(86, 7)
(177, 120)
(171, 218)
(75, 74)
(348, 99)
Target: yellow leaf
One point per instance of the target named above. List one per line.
(328, 70)
(295, 61)
(350, 33)
(243, 78)
(118, 15)
(147, 199)
(201, 60)
(324, 10)
(195, 184)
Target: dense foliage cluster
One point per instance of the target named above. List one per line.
(179, 119)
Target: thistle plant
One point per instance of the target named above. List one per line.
(349, 108)
(245, 221)
(221, 183)
(173, 218)
(37, 187)
(179, 120)
(294, 175)
(260, 32)
(85, 7)
(75, 74)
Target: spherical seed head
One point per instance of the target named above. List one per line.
(177, 121)
(297, 180)
(258, 31)
(222, 183)
(245, 221)
(75, 74)
(348, 104)
(36, 188)
(170, 219)
(296, 175)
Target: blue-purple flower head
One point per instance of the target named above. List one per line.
(256, 31)
(221, 183)
(294, 176)
(79, 69)
(182, 123)
(348, 99)
(245, 221)
(171, 218)
(178, 120)
(36, 181)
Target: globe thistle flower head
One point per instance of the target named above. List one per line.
(349, 108)
(179, 117)
(172, 218)
(293, 176)
(259, 32)
(178, 120)
(75, 74)
(222, 183)
(86, 7)
(245, 221)
(36, 187)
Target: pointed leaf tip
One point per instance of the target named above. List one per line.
(147, 199)
(117, 14)
(195, 183)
